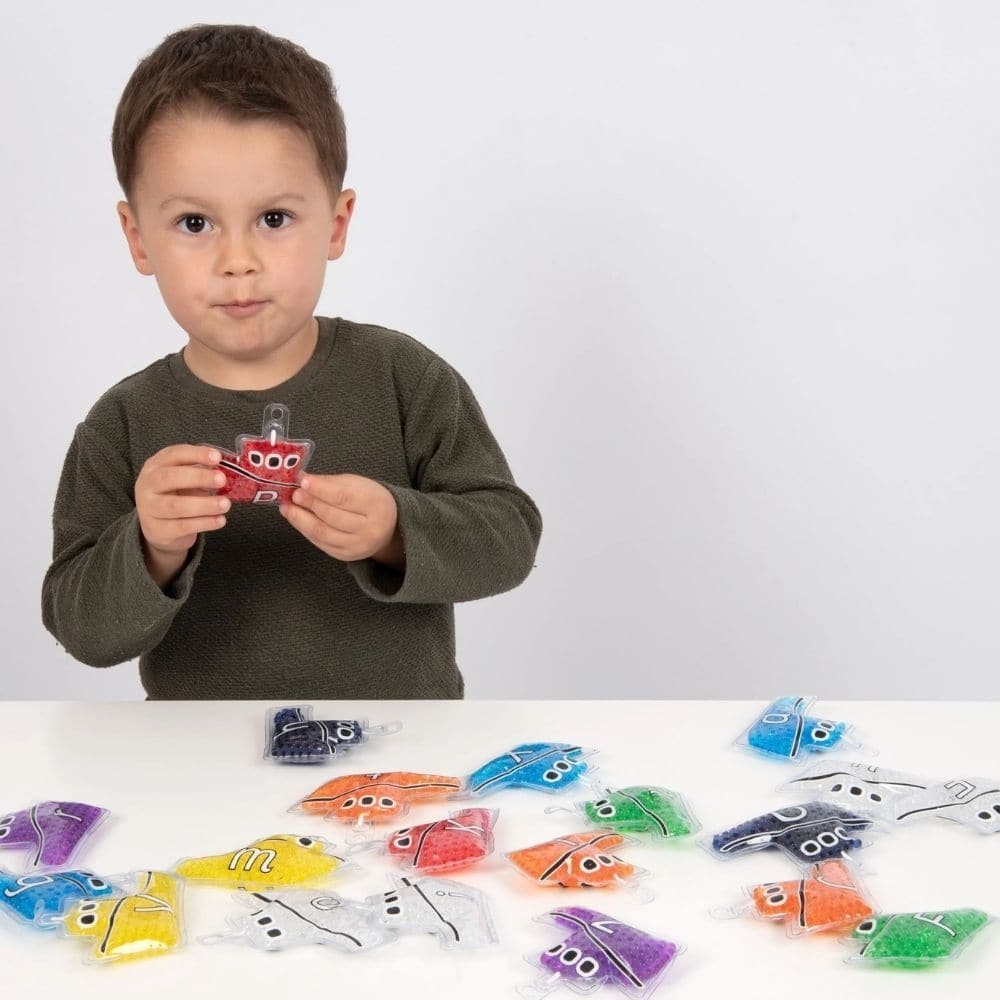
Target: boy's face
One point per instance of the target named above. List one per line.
(221, 237)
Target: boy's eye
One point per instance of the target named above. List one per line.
(199, 221)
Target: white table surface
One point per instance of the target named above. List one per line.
(187, 779)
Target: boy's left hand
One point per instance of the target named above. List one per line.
(348, 517)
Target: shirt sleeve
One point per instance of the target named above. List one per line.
(98, 599)
(468, 530)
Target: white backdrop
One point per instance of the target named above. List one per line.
(721, 274)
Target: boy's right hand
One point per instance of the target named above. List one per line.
(174, 501)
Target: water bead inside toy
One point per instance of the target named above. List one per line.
(52, 831)
(457, 914)
(641, 809)
(916, 940)
(784, 731)
(459, 840)
(600, 950)
(287, 917)
(376, 797)
(862, 788)
(38, 899)
(544, 767)
(578, 860)
(292, 736)
(809, 833)
(283, 859)
(265, 468)
(829, 897)
(144, 923)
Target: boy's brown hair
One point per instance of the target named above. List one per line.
(237, 72)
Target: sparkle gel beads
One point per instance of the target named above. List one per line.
(577, 860)
(145, 923)
(784, 730)
(462, 839)
(916, 940)
(829, 897)
(457, 914)
(288, 917)
(546, 767)
(292, 736)
(38, 899)
(601, 950)
(809, 833)
(376, 798)
(642, 809)
(268, 468)
(52, 831)
(862, 788)
(973, 802)
(283, 859)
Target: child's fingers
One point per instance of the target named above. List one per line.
(168, 506)
(343, 520)
(185, 454)
(330, 540)
(171, 478)
(344, 491)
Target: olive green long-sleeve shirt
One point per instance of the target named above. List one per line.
(258, 611)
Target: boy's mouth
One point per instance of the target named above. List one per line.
(244, 308)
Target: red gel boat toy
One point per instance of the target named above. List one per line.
(268, 468)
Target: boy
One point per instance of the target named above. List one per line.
(230, 148)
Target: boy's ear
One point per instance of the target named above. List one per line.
(341, 220)
(131, 230)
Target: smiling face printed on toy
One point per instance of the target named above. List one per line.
(291, 917)
(283, 859)
(52, 830)
(462, 839)
(816, 831)
(577, 860)
(643, 809)
(828, 898)
(458, 914)
(873, 790)
(267, 468)
(541, 766)
(911, 940)
(377, 798)
(973, 802)
(294, 736)
(601, 949)
(37, 898)
(784, 730)
(146, 922)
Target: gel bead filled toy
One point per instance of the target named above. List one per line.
(280, 860)
(378, 797)
(973, 802)
(830, 897)
(457, 914)
(292, 736)
(144, 923)
(784, 730)
(643, 809)
(547, 767)
(52, 831)
(462, 839)
(268, 468)
(816, 831)
(916, 940)
(290, 917)
(862, 788)
(37, 899)
(599, 949)
(576, 860)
